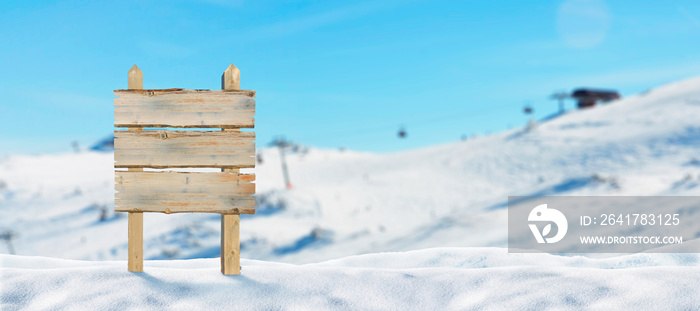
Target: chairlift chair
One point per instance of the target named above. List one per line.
(402, 133)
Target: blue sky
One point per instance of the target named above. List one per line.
(333, 73)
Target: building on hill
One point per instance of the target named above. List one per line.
(589, 97)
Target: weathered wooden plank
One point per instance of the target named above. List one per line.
(163, 149)
(172, 183)
(237, 205)
(184, 192)
(152, 92)
(184, 108)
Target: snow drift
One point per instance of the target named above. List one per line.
(431, 279)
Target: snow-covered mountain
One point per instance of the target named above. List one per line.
(346, 203)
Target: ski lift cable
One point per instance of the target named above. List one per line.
(418, 123)
(410, 124)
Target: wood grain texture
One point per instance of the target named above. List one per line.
(180, 192)
(135, 228)
(184, 108)
(230, 229)
(230, 245)
(135, 78)
(135, 262)
(163, 149)
(231, 78)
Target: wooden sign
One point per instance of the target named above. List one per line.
(213, 140)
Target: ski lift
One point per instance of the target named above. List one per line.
(402, 132)
(528, 109)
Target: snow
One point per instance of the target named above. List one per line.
(429, 279)
(440, 209)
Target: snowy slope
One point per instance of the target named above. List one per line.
(347, 203)
(431, 279)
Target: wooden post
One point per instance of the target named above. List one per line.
(230, 224)
(230, 238)
(135, 78)
(230, 245)
(231, 79)
(135, 219)
(136, 242)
